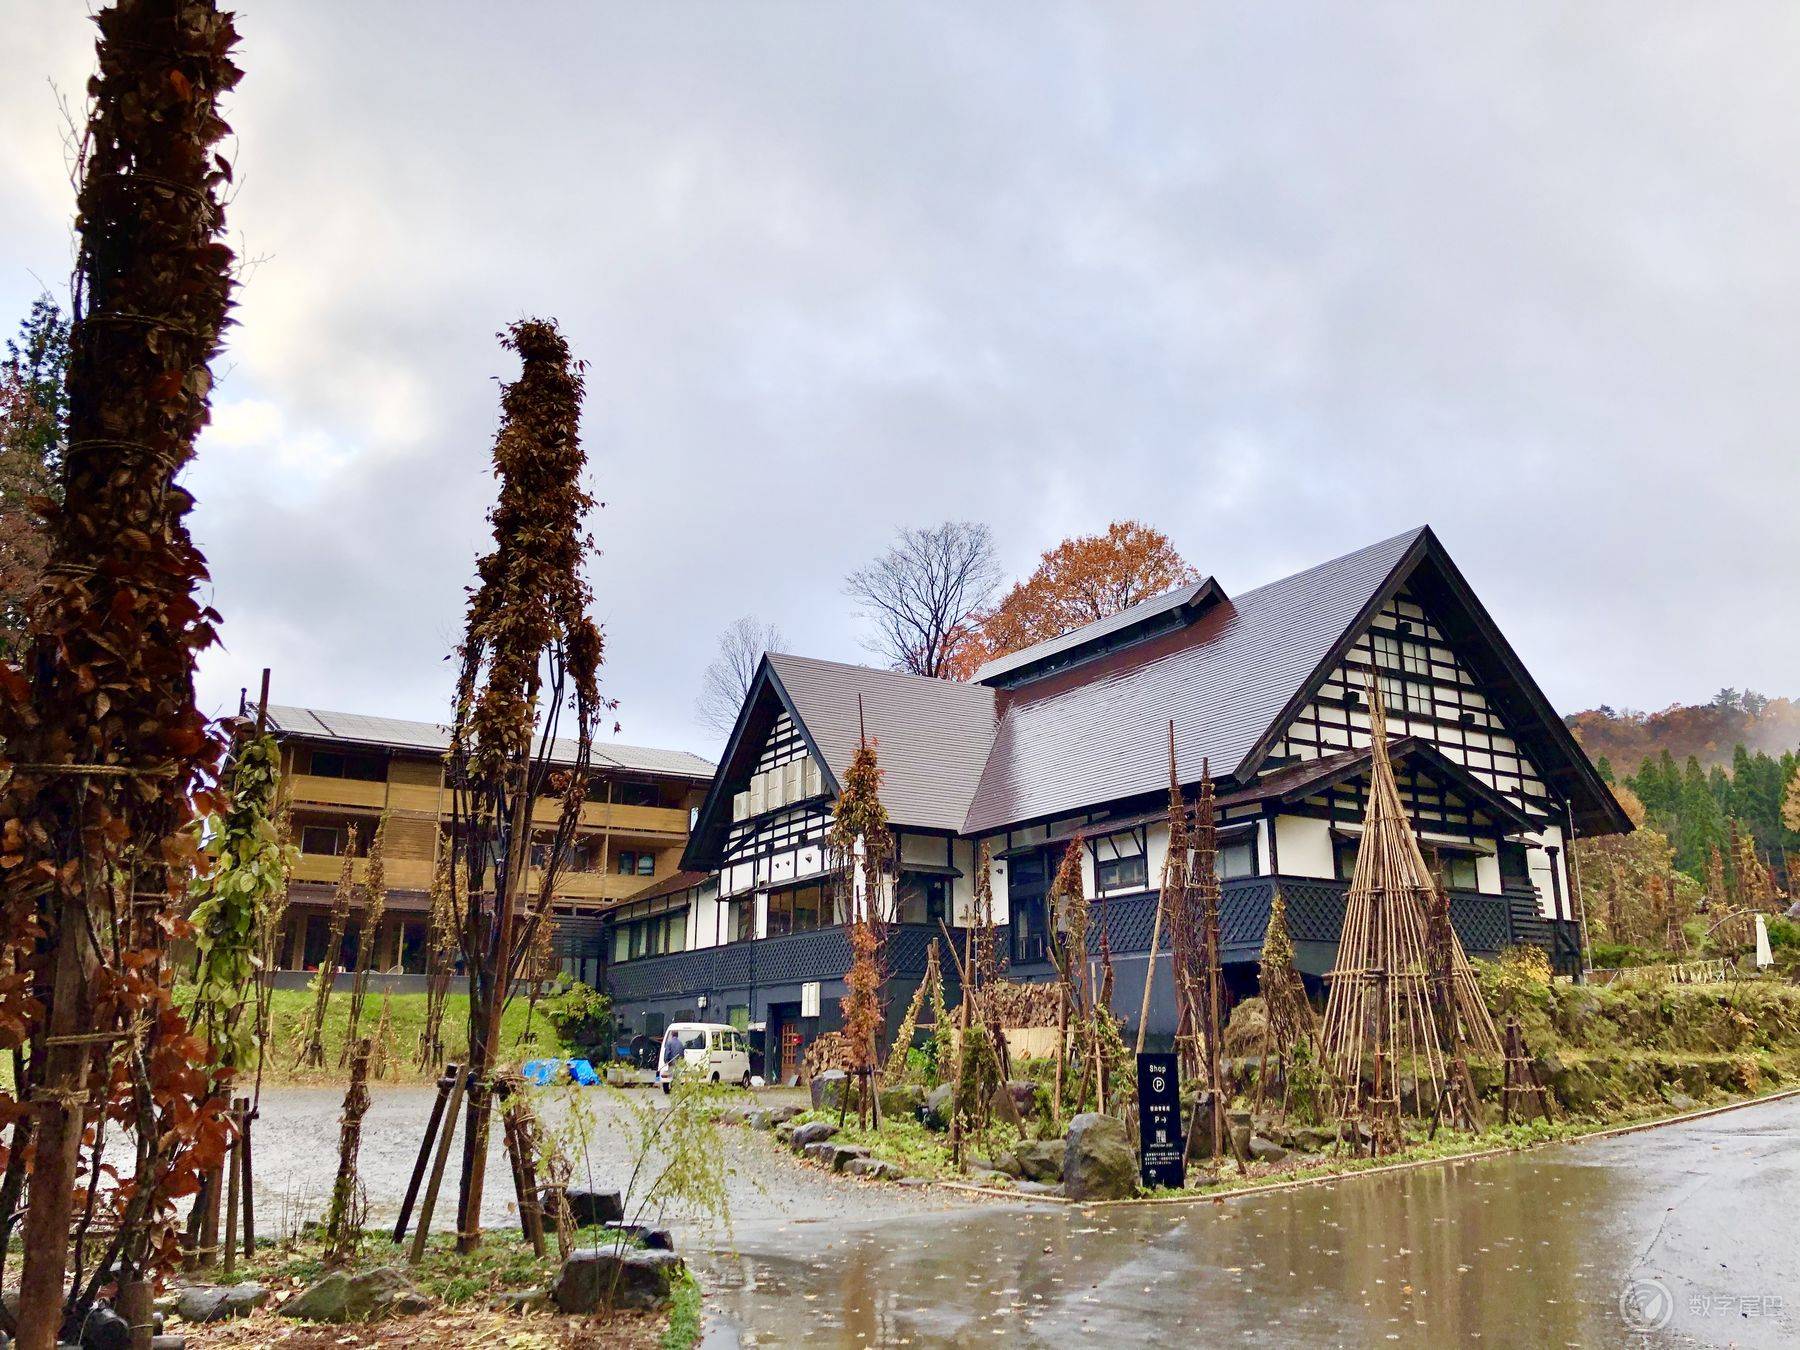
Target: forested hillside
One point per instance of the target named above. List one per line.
(1715, 789)
(1711, 731)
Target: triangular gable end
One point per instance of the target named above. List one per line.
(768, 727)
(1450, 679)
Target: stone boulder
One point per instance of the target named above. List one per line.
(342, 1297)
(903, 1100)
(828, 1089)
(1026, 1099)
(216, 1302)
(835, 1156)
(938, 1106)
(813, 1132)
(590, 1208)
(1040, 1159)
(873, 1169)
(759, 1120)
(780, 1115)
(1098, 1160)
(1266, 1150)
(658, 1239)
(599, 1277)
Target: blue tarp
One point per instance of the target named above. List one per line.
(547, 1072)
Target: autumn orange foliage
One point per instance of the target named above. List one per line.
(1079, 581)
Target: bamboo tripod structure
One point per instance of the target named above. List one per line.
(1379, 1017)
(1288, 1020)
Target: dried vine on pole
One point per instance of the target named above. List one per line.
(342, 1222)
(106, 751)
(374, 889)
(440, 954)
(312, 1047)
(862, 846)
(530, 655)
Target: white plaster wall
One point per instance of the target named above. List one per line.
(1304, 847)
(962, 889)
(1002, 914)
(1487, 873)
(1537, 859)
(1156, 849)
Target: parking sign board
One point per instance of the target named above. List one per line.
(1160, 1142)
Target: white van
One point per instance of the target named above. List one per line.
(709, 1050)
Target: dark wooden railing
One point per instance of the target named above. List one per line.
(1487, 925)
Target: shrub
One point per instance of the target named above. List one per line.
(582, 1016)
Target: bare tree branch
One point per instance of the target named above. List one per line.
(727, 679)
(923, 593)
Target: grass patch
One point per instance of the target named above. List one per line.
(291, 1013)
(501, 1263)
(683, 1331)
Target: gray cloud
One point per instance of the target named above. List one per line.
(1279, 279)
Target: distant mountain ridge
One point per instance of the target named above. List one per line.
(1709, 731)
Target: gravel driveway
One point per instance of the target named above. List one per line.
(295, 1151)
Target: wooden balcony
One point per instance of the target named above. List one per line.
(307, 789)
(414, 874)
(663, 823)
(405, 874)
(597, 885)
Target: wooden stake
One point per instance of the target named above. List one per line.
(418, 1173)
(423, 1231)
(234, 1168)
(246, 1114)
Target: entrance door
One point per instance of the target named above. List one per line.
(790, 1052)
(1027, 886)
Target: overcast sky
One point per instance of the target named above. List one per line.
(1281, 280)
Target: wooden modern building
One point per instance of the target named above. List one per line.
(1071, 737)
(346, 771)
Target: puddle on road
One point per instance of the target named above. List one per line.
(1527, 1250)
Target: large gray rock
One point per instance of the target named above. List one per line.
(588, 1208)
(1098, 1160)
(1266, 1150)
(216, 1302)
(828, 1089)
(341, 1297)
(873, 1169)
(835, 1156)
(902, 1100)
(937, 1106)
(782, 1114)
(813, 1132)
(1040, 1159)
(598, 1277)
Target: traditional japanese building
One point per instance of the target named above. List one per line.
(1266, 690)
(345, 771)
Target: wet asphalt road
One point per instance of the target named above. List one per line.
(1696, 1225)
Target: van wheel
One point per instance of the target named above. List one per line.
(744, 1082)
(715, 1077)
(665, 1088)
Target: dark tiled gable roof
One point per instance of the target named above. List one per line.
(1099, 731)
(932, 735)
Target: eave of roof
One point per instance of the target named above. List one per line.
(428, 738)
(1295, 782)
(1154, 614)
